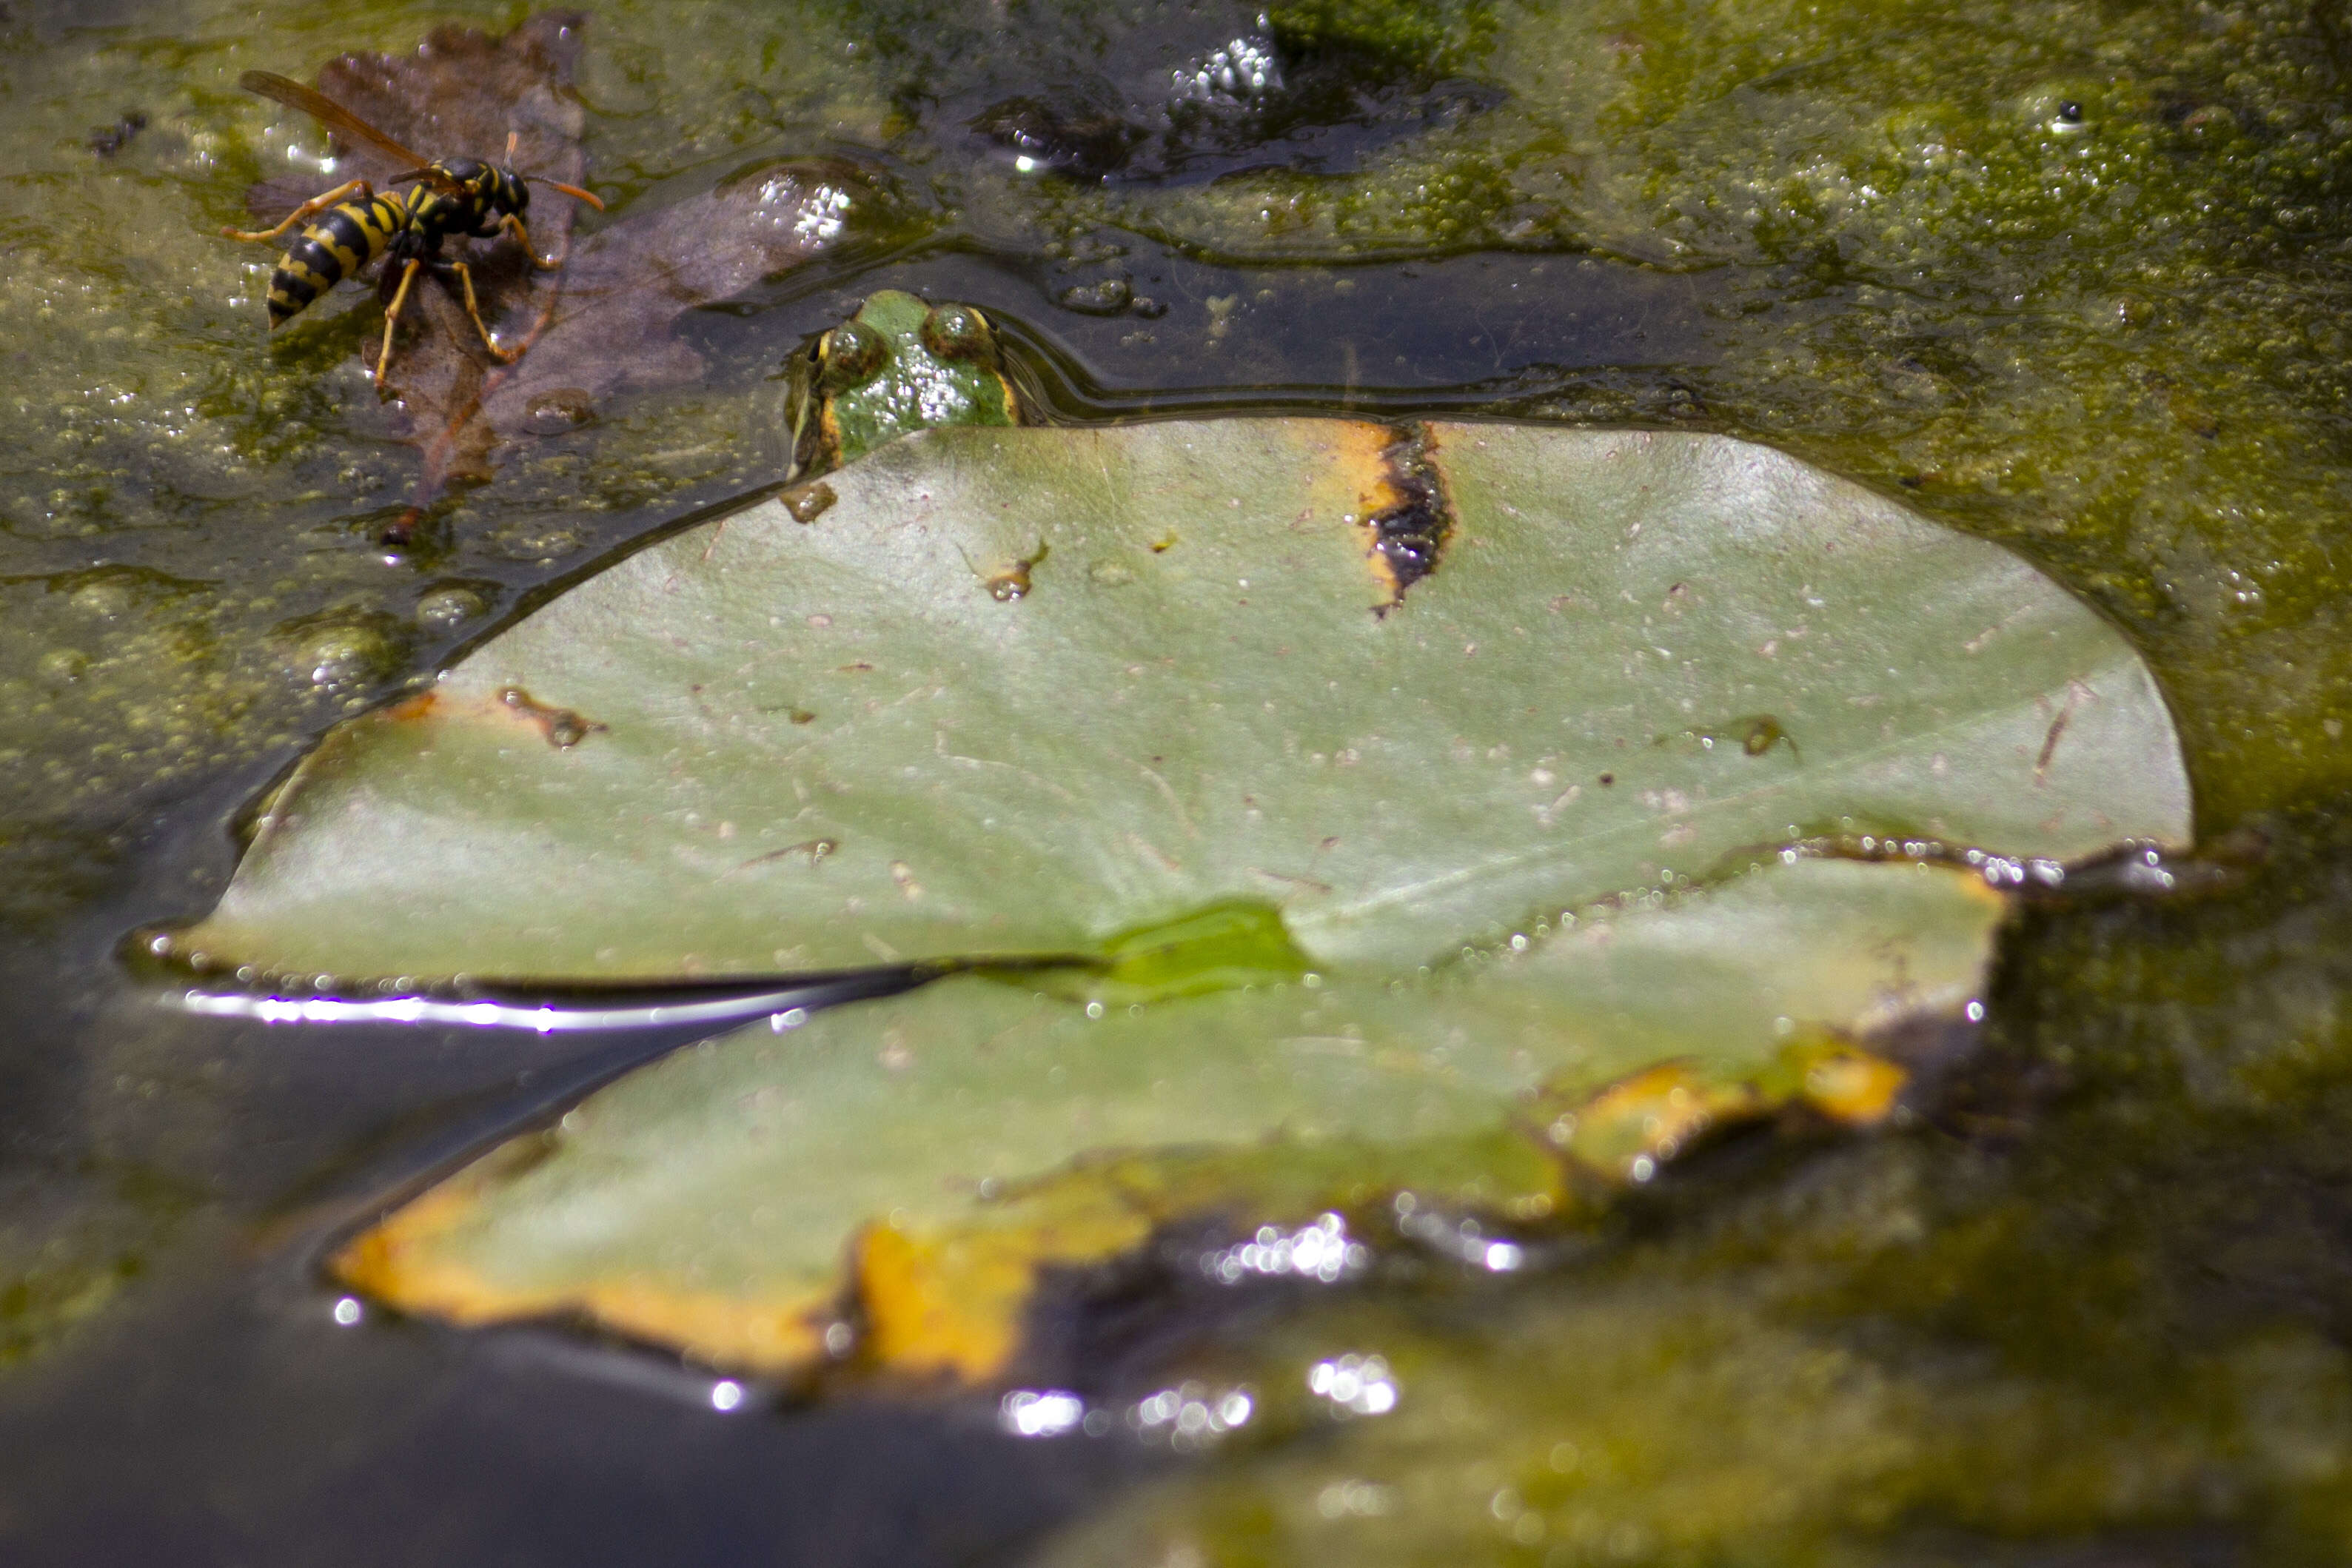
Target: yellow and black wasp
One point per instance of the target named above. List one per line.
(453, 196)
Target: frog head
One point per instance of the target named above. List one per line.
(897, 366)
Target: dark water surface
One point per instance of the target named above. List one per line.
(2072, 277)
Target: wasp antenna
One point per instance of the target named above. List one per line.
(573, 191)
(514, 140)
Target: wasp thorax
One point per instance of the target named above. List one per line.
(959, 332)
(851, 355)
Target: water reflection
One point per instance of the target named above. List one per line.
(1355, 1384)
(780, 1006)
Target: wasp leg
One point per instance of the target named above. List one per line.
(513, 226)
(392, 317)
(304, 213)
(465, 279)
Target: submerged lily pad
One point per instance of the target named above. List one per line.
(912, 1165)
(1014, 690)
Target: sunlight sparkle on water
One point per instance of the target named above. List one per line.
(1036, 1412)
(1466, 1239)
(1318, 1251)
(1355, 1384)
(1191, 1415)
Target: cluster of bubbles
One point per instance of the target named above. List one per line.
(1242, 71)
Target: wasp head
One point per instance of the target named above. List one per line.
(488, 189)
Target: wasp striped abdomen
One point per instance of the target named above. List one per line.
(346, 237)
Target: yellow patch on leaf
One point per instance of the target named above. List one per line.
(1625, 1132)
(406, 1262)
(1853, 1088)
(950, 1299)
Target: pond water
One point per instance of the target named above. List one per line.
(2068, 276)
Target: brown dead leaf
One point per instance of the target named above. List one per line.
(464, 93)
(625, 287)
(603, 323)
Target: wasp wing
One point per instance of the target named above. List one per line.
(335, 117)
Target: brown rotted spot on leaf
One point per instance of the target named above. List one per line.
(562, 728)
(1405, 515)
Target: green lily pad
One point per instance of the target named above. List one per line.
(911, 1166)
(1014, 690)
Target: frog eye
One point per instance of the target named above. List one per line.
(851, 355)
(959, 332)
